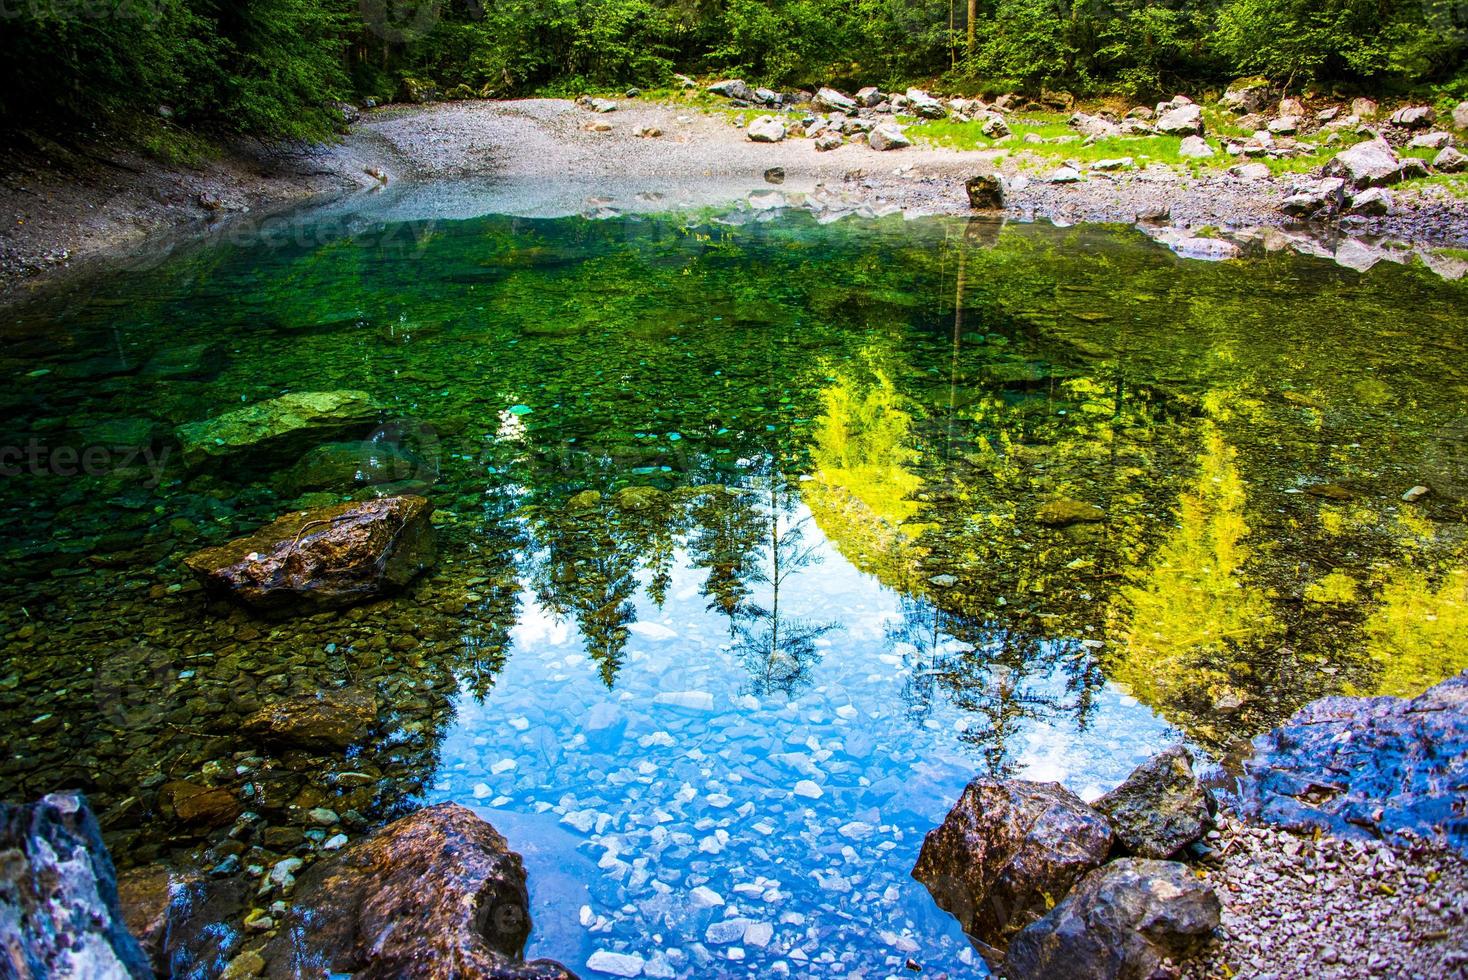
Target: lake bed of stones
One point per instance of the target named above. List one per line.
(752, 544)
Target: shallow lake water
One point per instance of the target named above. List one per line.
(759, 537)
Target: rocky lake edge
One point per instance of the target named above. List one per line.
(1363, 795)
(1341, 843)
(78, 208)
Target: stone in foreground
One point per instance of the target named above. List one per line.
(59, 914)
(1119, 923)
(324, 558)
(985, 192)
(1368, 767)
(437, 894)
(277, 431)
(323, 720)
(1161, 808)
(1004, 847)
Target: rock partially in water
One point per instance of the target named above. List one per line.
(437, 894)
(277, 431)
(1119, 923)
(59, 913)
(323, 720)
(1368, 767)
(985, 192)
(1161, 808)
(1004, 847)
(324, 558)
(1065, 511)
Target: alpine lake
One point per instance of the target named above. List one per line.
(758, 537)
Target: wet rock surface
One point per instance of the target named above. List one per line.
(1003, 848)
(59, 913)
(278, 430)
(325, 558)
(436, 894)
(1120, 922)
(1161, 808)
(1368, 767)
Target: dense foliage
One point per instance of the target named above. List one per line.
(273, 67)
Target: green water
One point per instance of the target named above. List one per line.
(903, 397)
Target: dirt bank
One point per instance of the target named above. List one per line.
(64, 206)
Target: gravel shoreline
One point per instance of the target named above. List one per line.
(1332, 909)
(66, 206)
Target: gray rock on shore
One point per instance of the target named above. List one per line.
(733, 88)
(1450, 160)
(1246, 95)
(1372, 163)
(1413, 117)
(1180, 120)
(887, 136)
(834, 101)
(766, 129)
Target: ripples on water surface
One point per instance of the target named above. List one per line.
(746, 566)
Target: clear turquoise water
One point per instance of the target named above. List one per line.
(745, 566)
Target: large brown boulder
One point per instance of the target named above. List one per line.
(1161, 808)
(323, 720)
(59, 915)
(324, 558)
(1008, 850)
(437, 894)
(1119, 923)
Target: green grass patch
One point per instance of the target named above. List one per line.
(1144, 150)
(1454, 184)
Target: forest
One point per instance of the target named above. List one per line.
(277, 68)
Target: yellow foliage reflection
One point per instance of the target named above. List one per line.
(863, 493)
(1419, 634)
(1187, 618)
